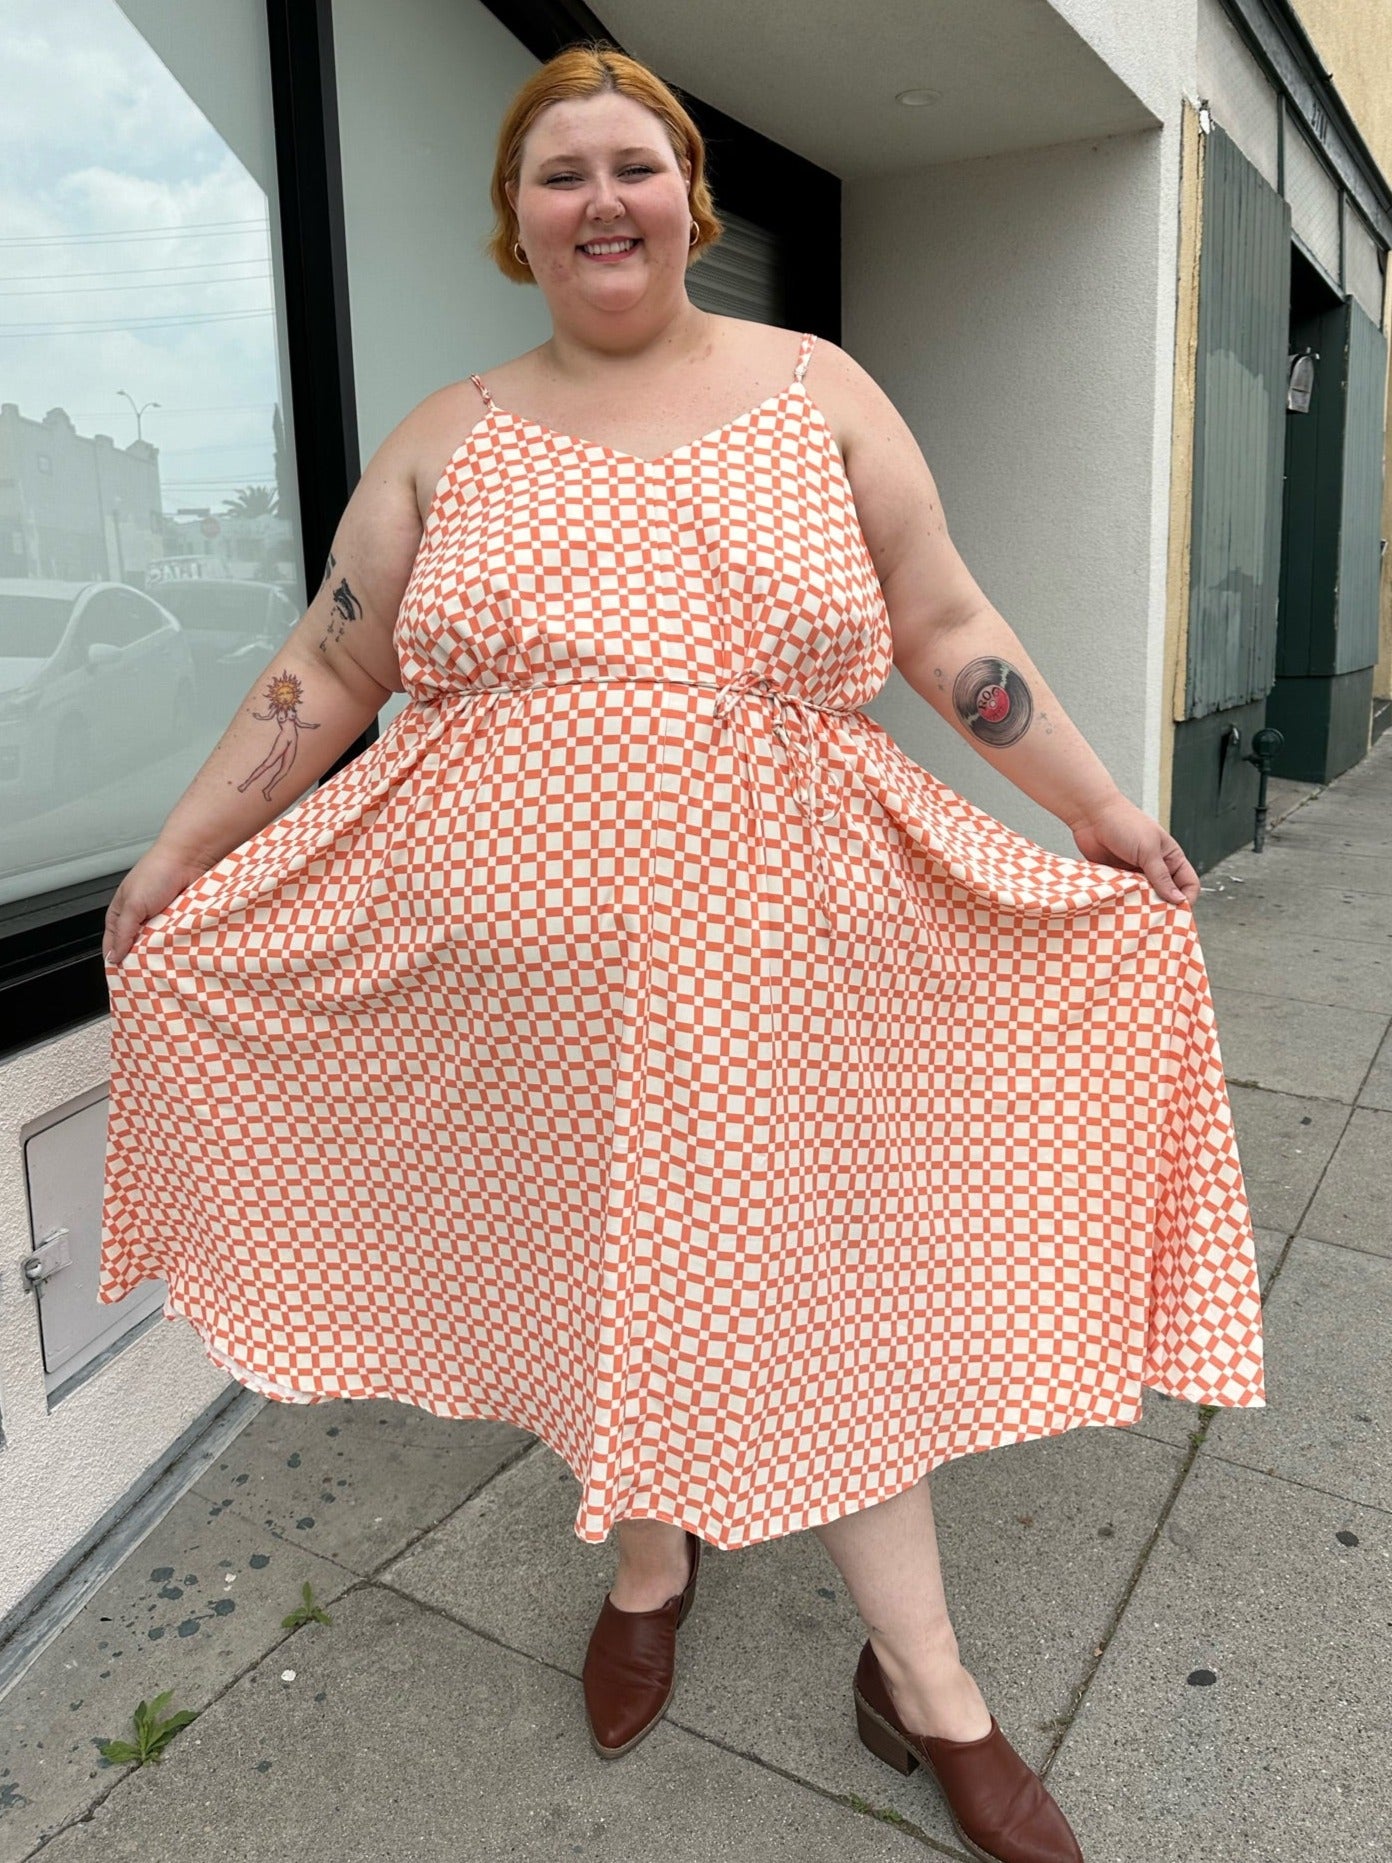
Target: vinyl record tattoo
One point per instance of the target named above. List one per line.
(993, 702)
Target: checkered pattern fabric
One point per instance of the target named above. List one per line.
(635, 1045)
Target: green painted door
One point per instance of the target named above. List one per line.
(1239, 444)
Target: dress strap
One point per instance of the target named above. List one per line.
(479, 383)
(804, 356)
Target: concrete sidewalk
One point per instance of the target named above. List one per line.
(1185, 1624)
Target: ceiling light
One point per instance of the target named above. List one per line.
(918, 97)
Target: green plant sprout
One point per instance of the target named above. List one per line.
(151, 1734)
(307, 1613)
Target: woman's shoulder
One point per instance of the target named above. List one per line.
(436, 428)
(445, 402)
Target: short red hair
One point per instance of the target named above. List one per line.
(584, 71)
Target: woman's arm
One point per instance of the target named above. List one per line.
(333, 674)
(316, 694)
(959, 653)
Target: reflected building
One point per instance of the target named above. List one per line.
(76, 505)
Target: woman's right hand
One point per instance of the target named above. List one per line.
(156, 878)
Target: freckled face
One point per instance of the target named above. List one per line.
(601, 203)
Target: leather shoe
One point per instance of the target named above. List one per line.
(630, 1666)
(1001, 1809)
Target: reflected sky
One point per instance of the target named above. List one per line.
(134, 253)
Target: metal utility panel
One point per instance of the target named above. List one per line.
(1239, 433)
(64, 1162)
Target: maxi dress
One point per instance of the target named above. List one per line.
(636, 1046)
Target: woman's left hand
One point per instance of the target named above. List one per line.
(1120, 835)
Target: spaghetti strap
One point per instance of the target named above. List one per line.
(804, 356)
(479, 383)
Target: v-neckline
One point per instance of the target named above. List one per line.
(639, 459)
(494, 412)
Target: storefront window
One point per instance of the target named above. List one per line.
(150, 559)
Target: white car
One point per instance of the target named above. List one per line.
(95, 677)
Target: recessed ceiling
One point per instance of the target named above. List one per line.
(820, 76)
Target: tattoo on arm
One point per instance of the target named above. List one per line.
(345, 606)
(993, 702)
(283, 694)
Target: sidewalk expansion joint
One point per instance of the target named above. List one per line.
(1064, 1721)
(1294, 1481)
(126, 1770)
(851, 1801)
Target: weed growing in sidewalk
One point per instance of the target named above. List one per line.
(307, 1613)
(152, 1735)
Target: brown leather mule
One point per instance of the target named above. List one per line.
(1001, 1808)
(630, 1667)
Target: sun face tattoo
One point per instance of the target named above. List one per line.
(283, 695)
(993, 702)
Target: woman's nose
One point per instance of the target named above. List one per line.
(605, 202)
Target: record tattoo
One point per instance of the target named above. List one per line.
(993, 702)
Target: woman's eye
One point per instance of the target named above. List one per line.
(636, 169)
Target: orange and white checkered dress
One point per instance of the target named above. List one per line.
(635, 1045)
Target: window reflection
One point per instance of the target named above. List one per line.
(149, 532)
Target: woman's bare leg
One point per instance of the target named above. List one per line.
(888, 1556)
(653, 1564)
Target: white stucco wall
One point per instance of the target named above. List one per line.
(421, 93)
(65, 1463)
(1019, 311)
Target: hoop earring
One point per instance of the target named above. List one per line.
(695, 234)
(518, 253)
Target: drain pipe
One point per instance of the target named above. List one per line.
(1265, 745)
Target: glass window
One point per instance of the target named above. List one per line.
(150, 558)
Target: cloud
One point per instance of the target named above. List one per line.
(136, 253)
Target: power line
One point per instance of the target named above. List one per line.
(214, 446)
(240, 479)
(187, 284)
(207, 407)
(154, 232)
(136, 271)
(99, 327)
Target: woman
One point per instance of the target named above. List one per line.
(634, 1044)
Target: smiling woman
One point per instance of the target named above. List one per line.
(635, 1044)
(550, 162)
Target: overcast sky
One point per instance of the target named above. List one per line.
(98, 140)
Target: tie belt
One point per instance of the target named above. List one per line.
(732, 693)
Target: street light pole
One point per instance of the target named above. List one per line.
(138, 411)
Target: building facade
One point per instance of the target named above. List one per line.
(1122, 269)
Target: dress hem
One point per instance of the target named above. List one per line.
(805, 1521)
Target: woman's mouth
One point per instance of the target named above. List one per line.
(609, 251)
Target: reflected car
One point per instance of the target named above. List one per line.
(233, 628)
(95, 677)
